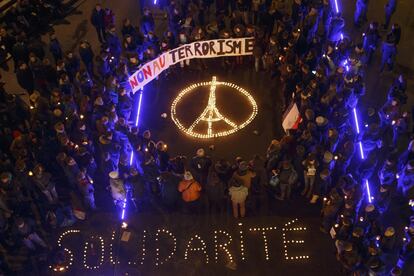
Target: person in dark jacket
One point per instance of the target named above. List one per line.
(114, 43)
(55, 48)
(20, 52)
(389, 52)
(72, 65)
(147, 22)
(395, 35)
(169, 192)
(200, 165)
(97, 20)
(25, 77)
(370, 43)
(86, 55)
(215, 189)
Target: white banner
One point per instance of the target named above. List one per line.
(200, 49)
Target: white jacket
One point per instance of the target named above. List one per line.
(238, 194)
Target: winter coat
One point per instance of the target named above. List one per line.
(97, 18)
(169, 192)
(86, 54)
(55, 48)
(190, 190)
(25, 78)
(215, 187)
(238, 194)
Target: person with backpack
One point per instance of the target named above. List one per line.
(190, 193)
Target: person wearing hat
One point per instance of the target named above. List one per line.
(287, 178)
(190, 191)
(200, 165)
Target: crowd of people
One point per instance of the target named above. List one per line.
(75, 138)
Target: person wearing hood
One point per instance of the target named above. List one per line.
(190, 191)
(244, 174)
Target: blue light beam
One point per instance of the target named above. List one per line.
(131, 159)
(123, 209)
(356, 118)
(336, 6)
(368, 191)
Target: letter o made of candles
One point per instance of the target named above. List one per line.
(211, 114)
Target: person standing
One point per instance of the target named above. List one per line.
(389, 52)
(287, 177)
(86, 55)
(370, 42)
(360, 15)
(190, 193)
(238, 194)
(389, 11)
(25, 77)
(98, 21)
(200, 165)
(55, 48)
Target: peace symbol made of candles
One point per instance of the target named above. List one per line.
(211, 114)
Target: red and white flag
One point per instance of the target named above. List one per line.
(291, 118)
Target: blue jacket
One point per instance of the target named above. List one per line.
(389, 51)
